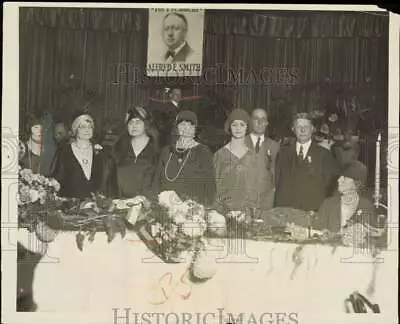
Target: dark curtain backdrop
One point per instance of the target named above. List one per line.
(72, 56)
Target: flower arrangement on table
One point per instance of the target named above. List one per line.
(37, 201)
(294, 225)
(42, 211)
(174, 229)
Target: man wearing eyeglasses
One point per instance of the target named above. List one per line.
(174, 32)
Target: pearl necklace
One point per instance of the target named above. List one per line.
(180, 169)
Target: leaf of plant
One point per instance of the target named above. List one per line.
(92, 234)
(121, 226)
(79, 240)
(110, 227)
(90, 213)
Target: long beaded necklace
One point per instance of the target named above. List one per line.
(180, 168)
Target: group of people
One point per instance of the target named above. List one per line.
(251, 172)
(159, 151)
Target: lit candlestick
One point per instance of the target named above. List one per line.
(378, 170)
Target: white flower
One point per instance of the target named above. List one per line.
(55, 184)
(34, 195)
(309, 159)
(193, 229)
(169, 199)
(178, 217)
(27, 175)
(42, 196)
(269, 152)
(35, 177)
(217, 222)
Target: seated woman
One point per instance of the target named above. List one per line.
(232, 164)
(348, 205)
(186, 167)
(82, 168)
(136, 156)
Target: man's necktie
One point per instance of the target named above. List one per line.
(258, 144)
(301, 155)
(169, 54)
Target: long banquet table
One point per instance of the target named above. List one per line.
(250, 276)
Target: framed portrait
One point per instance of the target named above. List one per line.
(175, 42)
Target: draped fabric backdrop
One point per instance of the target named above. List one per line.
(283, 61)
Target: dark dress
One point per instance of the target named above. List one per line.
(196, 180)
(31, 161)
(73, 182)
(135, 173)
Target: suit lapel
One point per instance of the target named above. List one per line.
(249, 142)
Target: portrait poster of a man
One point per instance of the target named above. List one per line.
(175, 42)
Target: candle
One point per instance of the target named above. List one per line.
(378, 169)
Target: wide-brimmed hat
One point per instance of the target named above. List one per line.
(137, 112)
(356, 171)
(236, 114)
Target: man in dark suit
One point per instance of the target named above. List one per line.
(175, 28)
(164, 117)
(265, 150)
(305, 171)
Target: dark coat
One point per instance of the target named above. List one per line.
(74, 184)
(329, 214)
(183, 54)
(304, 184)
(135, 173)
(164, 116)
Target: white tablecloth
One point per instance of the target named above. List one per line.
(124, 273)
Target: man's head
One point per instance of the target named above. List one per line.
(175, 28)
(259, 121)
(303, 127)
(60, 132)
(175, 94)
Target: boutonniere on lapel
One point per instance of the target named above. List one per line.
(309, 163)
(269, 158)
(97, 148)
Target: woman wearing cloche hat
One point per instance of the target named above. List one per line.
(186, 167)
(136, 155)
(82, 167)
(347, 205)
(232, 164)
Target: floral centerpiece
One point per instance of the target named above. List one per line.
(41, 210)
(175, 228)
(37, 201)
